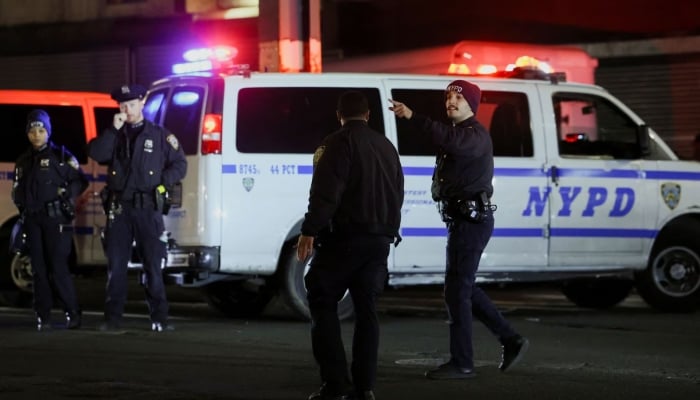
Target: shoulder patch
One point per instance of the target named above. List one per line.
(318, 153)
(73, 163)
(173, 141)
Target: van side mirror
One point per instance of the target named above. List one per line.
(643, 140)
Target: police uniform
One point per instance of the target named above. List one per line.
(46, 184)
(354, 212)
(143, 159)
(462, 187)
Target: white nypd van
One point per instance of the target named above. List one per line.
(587, 194)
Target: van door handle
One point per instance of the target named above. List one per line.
(554, 171)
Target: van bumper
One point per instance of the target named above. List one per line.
(189, 265)
(194, 257)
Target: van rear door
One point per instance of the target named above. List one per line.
(181, 105)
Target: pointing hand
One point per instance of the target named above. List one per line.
(400, 110)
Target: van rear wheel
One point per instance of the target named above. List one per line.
(293, 290)
(597, 293)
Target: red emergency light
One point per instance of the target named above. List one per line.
(522, 60)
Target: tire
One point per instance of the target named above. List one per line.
(293, 290)
(597, 293)
(671, 281)
(238, 299)
(15, 284)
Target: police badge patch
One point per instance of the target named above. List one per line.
(248, 184)
(173, 141)
(671, 194)
(318, 153)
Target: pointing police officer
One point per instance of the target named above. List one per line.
(144, 160)
(47, 182)
(462, 187)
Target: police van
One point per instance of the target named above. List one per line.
(76, 117)
(587, 194)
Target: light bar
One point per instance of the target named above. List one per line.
(189, 67)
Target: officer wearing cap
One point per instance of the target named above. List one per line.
(462, 187)
(144, 160)
(47, 182)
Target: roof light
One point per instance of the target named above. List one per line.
(216, 53)
(189, 67)
(459, 69)
(485, 69)
(206, 59)
(532, 62)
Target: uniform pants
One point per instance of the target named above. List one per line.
(49, 248)
(465, 243)
(146, 227)
(357, 264)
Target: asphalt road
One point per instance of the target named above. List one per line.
(629, 352)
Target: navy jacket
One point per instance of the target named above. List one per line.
(40, 173)
(464, 163)
(357, 185)
(152, 158)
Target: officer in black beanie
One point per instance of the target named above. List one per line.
(462, 187)
(47, 182)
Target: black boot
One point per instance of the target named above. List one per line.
(43, 324)
(73, 319)
(513, 350)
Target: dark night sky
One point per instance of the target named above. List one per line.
(372, 26)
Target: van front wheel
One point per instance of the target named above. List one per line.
(671, 281)
(293, 290)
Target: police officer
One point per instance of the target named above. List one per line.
(353, 215)
(462, 187)
(144, 160)
(47, 182)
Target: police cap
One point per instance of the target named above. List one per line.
(128, 92)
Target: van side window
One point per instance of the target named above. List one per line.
(67, 129)
(505, 114)
(183, 116)
(591, 126)
(293, 119)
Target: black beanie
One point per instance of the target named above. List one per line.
(470, 91)
(38, 118)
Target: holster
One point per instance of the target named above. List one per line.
(162, 201)
(473, 211)
(105, 199)
(60, 207)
